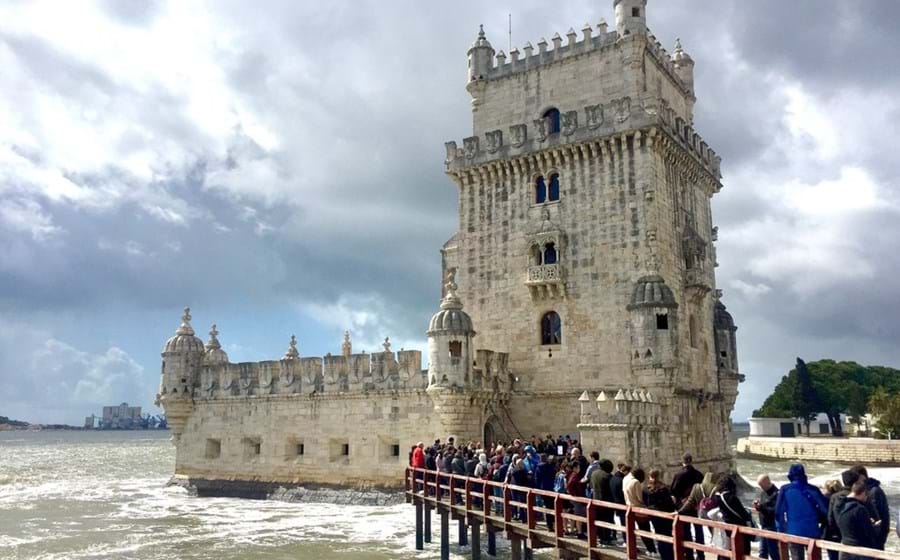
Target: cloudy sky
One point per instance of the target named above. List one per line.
(278, 166)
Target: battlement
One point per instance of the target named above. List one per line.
(582, 128)
(355, 373)
(505, 65)
(622, 407)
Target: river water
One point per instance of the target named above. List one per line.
(102, 495)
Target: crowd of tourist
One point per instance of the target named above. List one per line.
(853, 511)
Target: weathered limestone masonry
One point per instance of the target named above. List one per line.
(585, 256)
(584, 209)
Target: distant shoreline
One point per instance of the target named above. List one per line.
(66, 427)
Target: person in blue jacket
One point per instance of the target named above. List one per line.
(799, 510)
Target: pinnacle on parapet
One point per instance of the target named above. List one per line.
(602, 397)
(213, 343)
(542, 46)
(650, 397)
(185, 328)
(620, 396)
(387, 345)
(571, 36)
(514, 54)
(587, 31)
(584, 397)
(451, 300)
(347, 346)
(642, 396)
(292, 352)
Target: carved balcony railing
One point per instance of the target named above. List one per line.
(545, 281)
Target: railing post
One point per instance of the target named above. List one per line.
(591, 512)
(463, 533)
(476, 541)
(814, 552)
(630, 537)
(427, 523)
(452, 490)
(492, 541)
(468, 495)
(530, 514)
(558, 521)
(507, 510)
(486, 493)
(420, 545)
(445, 535)
(678, 538)
(737, 545)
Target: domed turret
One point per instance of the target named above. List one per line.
(450, 335)
(684, 65)
(653, 323)
(726, 341)
(481, 56)
(292, 352)
(184, 340)
(631, 17)
(214, 354)
(652, 291)
(182, 358)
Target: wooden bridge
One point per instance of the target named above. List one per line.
(514, 512)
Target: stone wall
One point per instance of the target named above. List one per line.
(258, 438)
(842, 450)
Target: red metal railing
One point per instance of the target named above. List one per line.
(500, 507)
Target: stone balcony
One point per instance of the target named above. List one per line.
(697, 283)
(545, 281)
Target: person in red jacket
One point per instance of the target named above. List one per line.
(418, 456)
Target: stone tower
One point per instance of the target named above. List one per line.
(585, 248)
(181, 358)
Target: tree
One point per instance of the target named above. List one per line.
(887, 407)
(806, 400)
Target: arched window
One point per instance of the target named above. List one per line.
(693, 330)
(540, 190)
(552, 115)
(554, 187)
(550, 253)
(551, 328)
(537, 257)
(455, 351)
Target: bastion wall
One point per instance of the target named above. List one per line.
(842, 450)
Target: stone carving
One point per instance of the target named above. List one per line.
(569, 122)
(452, 153)
(621, 109)
(470, 146)
(518, 134)
(542, 129)
(494, 140)
(594, 115)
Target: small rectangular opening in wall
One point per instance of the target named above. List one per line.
(213, 448)
(294, 448)
(388, 449)
(395, 450)
(252, 447)
(339, 450)
(662, 321)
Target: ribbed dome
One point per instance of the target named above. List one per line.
(451, 321)
(481, 41)
(451, 318)
(214, 353)
(722, 319)
(679, 56)
(651, 291)
(184, 340)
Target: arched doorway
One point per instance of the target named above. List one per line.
(492, 432)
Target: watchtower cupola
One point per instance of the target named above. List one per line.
(631, 17)
(481, 57)
(450, 335)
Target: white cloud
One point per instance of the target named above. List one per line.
(23, 215)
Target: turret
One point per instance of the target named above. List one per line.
(214, 354)
(726, 341)
(631, 17)
(653, 323)
(181, 360)
(481, 56)
(450, 335)
(684, 65)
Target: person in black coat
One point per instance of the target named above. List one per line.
(733, 511)
(877, 501)
(685, 479)
(617, 487)
(602, 490)
(855, 522)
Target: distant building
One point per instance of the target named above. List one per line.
(90, 422)
(121, 417)
(794, 427)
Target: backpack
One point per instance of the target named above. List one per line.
(706, 505)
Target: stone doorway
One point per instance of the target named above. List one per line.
(492, 432)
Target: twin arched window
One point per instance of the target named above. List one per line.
(551, 329)
(544, 255)
(544, 192)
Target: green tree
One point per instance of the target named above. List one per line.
(806, 403)
(887, 407)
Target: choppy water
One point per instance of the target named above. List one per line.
(102, 495)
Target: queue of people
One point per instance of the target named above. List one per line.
(853, 511)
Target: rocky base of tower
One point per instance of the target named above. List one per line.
(289, 492)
